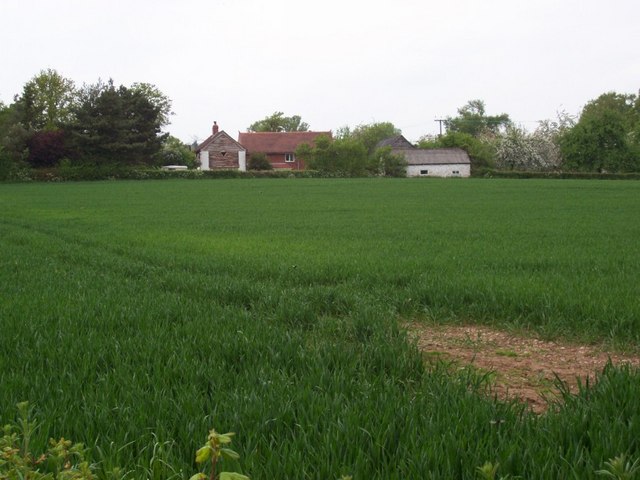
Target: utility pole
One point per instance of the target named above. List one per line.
(440, 120)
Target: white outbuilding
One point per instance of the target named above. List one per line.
(435, 162)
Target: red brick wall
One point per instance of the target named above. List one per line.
(278, 163)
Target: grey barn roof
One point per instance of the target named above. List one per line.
(436, 156)
(395, 142)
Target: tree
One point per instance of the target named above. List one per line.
(158, 99)
(47, 101)
(605, 138)
(472, 120)
(6, 121)
(117, 125)
(174, 152)
(7, 164)
(277, 122)
(344, 156)
(371, 134)
(4, 116)
(14, 136)
(391, 164)
(46, 148)
(481, 150)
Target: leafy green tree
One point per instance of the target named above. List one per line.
(47, 101)
(31, 129)
(14, 136)
(158, 99)
(4, 116)
(344, 156)
(605, 138)
(391, 164)
(6, 164)
(277, 122)
(473, 120)
(481, 150)
(174, 152)
(117, 125)
(371, 134)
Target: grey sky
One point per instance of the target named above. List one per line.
(336, 62)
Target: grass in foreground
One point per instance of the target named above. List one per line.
(136, 314)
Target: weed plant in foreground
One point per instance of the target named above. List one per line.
(134, 315)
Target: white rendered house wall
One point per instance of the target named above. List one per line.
(452, 170)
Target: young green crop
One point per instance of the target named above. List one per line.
(134, 315)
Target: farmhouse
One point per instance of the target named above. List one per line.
(279, 147)
(221, 152)
(437, 162)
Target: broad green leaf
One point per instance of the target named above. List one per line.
(228, 453)
(198, 476)
(224, 438)
(203, 454)
(233, 476)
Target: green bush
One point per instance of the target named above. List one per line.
(259, 161)
(174, 152)
(491, 173)
(6, 165)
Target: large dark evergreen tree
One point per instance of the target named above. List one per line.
(116, 125)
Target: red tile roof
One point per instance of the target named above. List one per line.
(277, 142)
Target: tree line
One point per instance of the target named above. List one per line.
(53, 122)
(604, 138)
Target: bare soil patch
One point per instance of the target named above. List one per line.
(524, 367)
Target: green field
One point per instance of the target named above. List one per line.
(137, 315)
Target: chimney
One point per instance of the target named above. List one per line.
(215, 128)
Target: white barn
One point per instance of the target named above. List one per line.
(437, 162)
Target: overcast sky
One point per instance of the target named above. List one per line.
(335, 62)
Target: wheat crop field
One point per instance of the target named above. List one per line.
(136, 315)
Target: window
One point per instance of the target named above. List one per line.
(424, 172)
(289, 157)
(456, 172)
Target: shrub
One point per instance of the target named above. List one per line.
(46, 148)
(391, 164)
(174, 152)
(259, 161)
(491, 173)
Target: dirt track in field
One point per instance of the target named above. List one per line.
(523, 367)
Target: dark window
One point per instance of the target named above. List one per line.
(424, 172)
(289, 157)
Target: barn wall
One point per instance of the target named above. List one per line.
(464, 170)
(223, 153)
